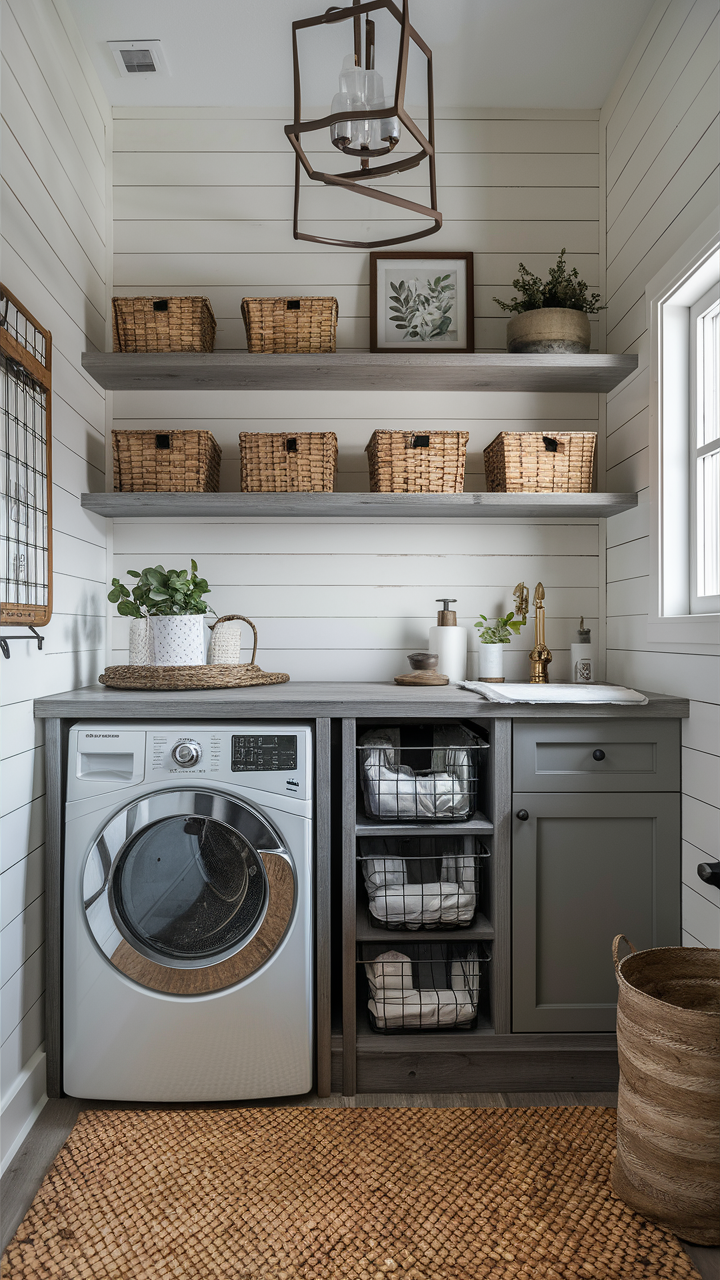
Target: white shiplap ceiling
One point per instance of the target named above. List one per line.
(487, 53)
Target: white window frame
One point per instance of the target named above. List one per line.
(687, 277)
(700, 448)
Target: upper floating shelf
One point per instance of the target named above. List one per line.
(378, 506)
(354, 371)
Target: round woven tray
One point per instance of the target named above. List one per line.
(221, 675)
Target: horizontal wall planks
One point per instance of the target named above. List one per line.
(351, 371)
(441, 506)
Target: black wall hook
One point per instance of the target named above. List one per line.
(5, 647)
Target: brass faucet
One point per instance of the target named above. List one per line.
(540, 656)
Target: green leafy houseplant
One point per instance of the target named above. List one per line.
(161, 592)
(501, 631)
(562, 289)
(423, 312)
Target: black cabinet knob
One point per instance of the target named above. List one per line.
(710, 873)
(522, 814)
(598, 754)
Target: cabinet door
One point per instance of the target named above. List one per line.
(586, 867)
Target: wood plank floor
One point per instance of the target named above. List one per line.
(21, 1181)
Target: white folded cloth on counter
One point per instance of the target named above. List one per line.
(423, 904)
(424, 1008)
(580, 693)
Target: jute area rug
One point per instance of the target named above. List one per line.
(323, 1194)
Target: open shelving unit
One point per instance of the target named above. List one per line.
(368, 1061)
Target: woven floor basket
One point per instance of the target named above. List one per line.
(417, 462)
(163, 324)
(165, 462)
(540, 462)
(667, 1166)
(279, 462)
(290, 324)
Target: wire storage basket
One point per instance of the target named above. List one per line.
(279, 462)
(163, 324)
(277, 325)
(417, 462)
(436, 781)
(540, 462)
(165, 462)
(426, 986)
(416, 882)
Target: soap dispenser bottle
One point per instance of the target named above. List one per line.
(449, 642)
(581, 659)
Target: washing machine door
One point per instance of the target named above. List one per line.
(188, 892)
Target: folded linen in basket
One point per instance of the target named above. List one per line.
(465, 976)
(422, 904)
(461, 868)
(424, 1008)
(392, 969)
(379, 872)
(404, 794)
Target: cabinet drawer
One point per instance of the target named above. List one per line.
(596, 755)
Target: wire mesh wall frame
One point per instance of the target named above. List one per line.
(25, 460)
(353, 180)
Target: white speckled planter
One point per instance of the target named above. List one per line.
(142, 646)
(179, 640)
(490, 661)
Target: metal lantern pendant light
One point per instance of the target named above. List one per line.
(364, 124)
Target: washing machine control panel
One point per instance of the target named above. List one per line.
(264, 753)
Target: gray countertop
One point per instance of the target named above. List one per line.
(312, 699)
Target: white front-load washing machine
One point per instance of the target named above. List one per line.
(188, 942)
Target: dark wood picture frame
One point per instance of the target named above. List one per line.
(421, 348)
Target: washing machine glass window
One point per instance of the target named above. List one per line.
(189, 887)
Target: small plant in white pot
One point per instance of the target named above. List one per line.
(551, 316)
(495, 633)
(169, 604)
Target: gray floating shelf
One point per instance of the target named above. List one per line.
(477, 825)
(354, 371)
(369, 506)
(366, 932)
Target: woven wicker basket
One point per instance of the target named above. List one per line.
(290, 324)
(279, 462)
(417, 462)
(540, 462)
(165, 462)
(163, 324)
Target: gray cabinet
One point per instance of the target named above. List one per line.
(590, 862)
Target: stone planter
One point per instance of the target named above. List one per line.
(142, 645)
(490, 661)
(550, 330)
(179, 640)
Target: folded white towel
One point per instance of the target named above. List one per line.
(423, 904)
(380, 872)
(465, 976)
(556, 692)
(460, 868)
(424, 1008)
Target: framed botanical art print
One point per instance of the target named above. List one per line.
(421, 302)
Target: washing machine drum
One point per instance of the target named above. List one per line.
(188, 892)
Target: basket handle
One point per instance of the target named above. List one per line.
(240, 617)
(616, 947)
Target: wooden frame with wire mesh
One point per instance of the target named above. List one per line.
(25, 461)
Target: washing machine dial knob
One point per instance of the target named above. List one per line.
(186, 754)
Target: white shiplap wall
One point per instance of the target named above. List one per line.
(55, 254)
(661, 140)
(203, 202)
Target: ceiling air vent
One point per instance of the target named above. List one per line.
(138, 57)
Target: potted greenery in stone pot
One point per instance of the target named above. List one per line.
(551, 316)
(495, 633)
(167, 609)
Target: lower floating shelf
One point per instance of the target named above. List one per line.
(477, 825)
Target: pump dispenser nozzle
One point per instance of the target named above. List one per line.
(447, 617)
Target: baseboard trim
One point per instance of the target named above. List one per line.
(27, 1092)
